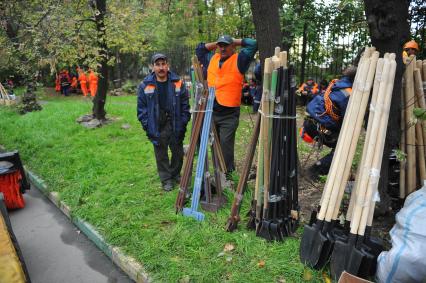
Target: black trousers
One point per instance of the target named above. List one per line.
(226, 126)
(168, 168)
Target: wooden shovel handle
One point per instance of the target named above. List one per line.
(373, 181)
(357, 130)
(336, 162)
(364, 172)
(377, 78)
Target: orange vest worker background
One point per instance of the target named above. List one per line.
(93, 83)
(83, 81)
(57, 84)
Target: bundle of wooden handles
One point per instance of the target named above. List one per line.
(361, 207)
(413, 134)
(348, 137)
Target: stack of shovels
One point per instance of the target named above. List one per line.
(356, 251)
(413, 135)
(202, 117)
(274, 212)
(320, 234)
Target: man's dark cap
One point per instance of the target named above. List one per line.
(226, 39)
(158, 56)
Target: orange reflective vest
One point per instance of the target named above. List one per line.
(227, 80)
(93, 83)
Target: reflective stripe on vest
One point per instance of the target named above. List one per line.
(178, 85)
(227, 80)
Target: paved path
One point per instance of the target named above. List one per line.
(53, 248)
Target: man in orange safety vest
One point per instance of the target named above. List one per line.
(82, 78)
(225, 72)
(93, 83)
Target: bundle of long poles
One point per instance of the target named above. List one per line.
(201, 93)
(274, 212)
(319, 235)
(356, 252)
(413, 134)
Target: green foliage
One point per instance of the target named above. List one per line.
(420, 113)
(400, 155)
(129, 87)
(108, 177)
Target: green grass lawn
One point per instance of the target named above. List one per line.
(108, 177)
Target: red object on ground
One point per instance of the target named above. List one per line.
(10, 186)
(307, 138)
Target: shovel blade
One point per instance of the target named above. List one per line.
(307, 244)
(263, 230)
(368, 265)
(275, 232)
(356, 257)
(322, 247)
(339, 258)
(232, 224)
(251, 223)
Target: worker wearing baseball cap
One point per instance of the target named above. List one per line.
(163, 111)
(225, 72)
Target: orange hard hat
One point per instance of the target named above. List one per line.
(304, 135)
(411, 44)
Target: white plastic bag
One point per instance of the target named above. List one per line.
(406, 261)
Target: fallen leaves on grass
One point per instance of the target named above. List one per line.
(261, 264)
(326, 278)
(307, 275)
(185, 279)
(228, 247)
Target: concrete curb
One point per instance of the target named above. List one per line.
(128, 264)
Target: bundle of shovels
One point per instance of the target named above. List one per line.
(5, 98)
(413, 135)
(202, 117)
(275, 209)
(351, 247)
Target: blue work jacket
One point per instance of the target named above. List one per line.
(339, 95)
(148, 108)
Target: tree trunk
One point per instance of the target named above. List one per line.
(100, 98)
(389, 30)
(267, 24)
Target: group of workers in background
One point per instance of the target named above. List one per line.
(66, 83)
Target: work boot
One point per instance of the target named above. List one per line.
(167, 185)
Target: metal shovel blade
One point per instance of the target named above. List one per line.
(232, 224)
(275, 232)
(340, 255)
(369, 263)
(308, 245)
(375, 247)
(216, 203)
(263, 230)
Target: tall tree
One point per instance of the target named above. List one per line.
(100, 98)
(389, 30)
(267, 25)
